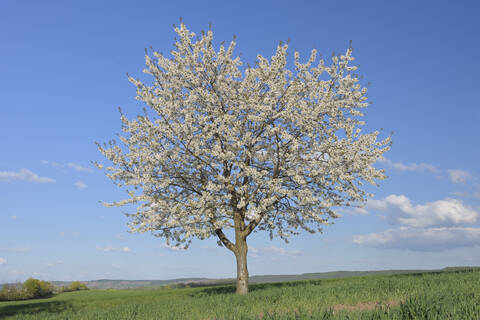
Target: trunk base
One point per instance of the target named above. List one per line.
(242, 287)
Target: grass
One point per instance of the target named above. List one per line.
(441, 295)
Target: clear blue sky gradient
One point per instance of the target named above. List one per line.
(63, 67)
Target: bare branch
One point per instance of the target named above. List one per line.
(227, 243)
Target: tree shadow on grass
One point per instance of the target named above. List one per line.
(30, 308)
(219, 290)
(256, 287)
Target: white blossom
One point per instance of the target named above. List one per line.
(278, 149)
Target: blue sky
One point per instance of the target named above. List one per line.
(63, 76)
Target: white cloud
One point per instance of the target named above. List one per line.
(421, 239)
(23, 175)
(71, 165)
(173, 248)
(432, 226)
(458, 176)
(3, 262)
(17, 273)
(421, 167)
(80, 185)
(352, 210)
(461, 194)
(77, 167)
(113, 249)
(52, 163)
(475, 194)
(56, 263)
(272, 251)
(442, 213)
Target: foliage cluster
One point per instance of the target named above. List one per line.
(30, 289)
(440, 295)
(74, 286)
(10, 292)
(34, 288)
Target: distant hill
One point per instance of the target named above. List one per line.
(197, 282)
(331, 275)
(125, 284)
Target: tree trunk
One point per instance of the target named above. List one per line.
(242, 271)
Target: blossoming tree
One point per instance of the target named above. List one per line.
(261, 148)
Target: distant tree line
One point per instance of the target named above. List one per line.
(34, 289)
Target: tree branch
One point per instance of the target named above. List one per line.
(227, 243)
(253, 224)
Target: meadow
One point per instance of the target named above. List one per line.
(434, 295)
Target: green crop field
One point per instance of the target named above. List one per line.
(441, 295)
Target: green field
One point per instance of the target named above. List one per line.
(439, 295)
